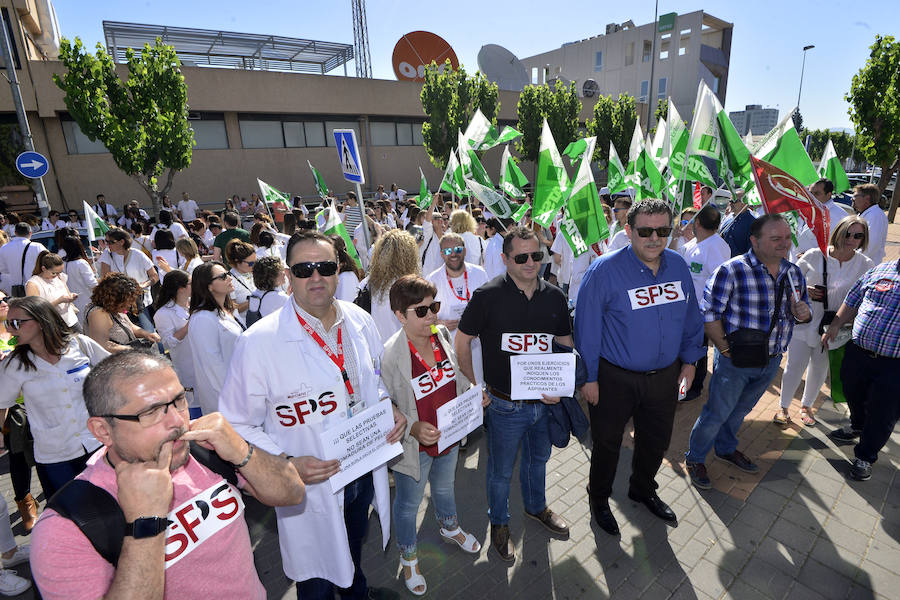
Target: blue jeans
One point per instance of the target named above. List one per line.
(55, 475)
(357, 497)
(511, 424)
(733, 392)
(441, 472)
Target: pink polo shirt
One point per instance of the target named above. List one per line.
(208, 553)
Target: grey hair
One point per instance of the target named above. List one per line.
(102, 390)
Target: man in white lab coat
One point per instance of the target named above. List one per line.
(300, 371)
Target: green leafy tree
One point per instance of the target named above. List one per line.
(560, 106)
(10, 147)
(613, 121)
(142, 121)
(797, 118)
(662, 112)
(449, 99)
(818, 139)
(874, 99)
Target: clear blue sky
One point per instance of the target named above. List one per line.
(765, 58)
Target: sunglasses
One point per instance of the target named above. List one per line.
(646, 232)
(615, 210)
(249, 263)
(453, 250)
(684, 223)
(855, 236)
(521, 259)
(222, 277)
(304, 270)
(4, 300)
(15, 323)
(421, 311)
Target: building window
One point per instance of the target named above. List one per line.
(534, 75)
(663, 55)
(314, 132)
(598, 61)
(262, 134)
(293, 134)
(715, 85)
(683, 46)
(209, 134)
(662, 91)
(418, 140)
(78, 143)
(383, 134)
(404, 134)
(629, 54)
(645, 90)
(648, 49)
(685, 32)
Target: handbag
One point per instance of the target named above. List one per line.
(749, 348)
(18, 291)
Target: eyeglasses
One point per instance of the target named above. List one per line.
(684, 223)
(304, 270)
(421, 311)
(855, 236)
(222, 277)
(521, 259)
(646, 232)
(453, 250)
(249, 263)
(15, 323)
(615, 210)
(3, 300)
(154, 414)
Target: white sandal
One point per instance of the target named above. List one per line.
(470, 544)
(415, 580)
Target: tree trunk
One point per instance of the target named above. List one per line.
(895, 199)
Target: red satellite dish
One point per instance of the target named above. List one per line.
(416, 50)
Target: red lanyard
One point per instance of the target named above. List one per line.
(337, 359)
(453, 289)
(436, 373)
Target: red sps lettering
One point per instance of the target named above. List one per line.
(222, 503)
(425, 383)
(649, 294)
(185, 532)
(294, 414)
(527, 342)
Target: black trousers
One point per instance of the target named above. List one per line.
(650, 400)
(702, 364)
(872, 388)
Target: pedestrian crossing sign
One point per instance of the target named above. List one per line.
(348, 155)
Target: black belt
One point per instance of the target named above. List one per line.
(871, 354)
(645, 373)
(503, 396)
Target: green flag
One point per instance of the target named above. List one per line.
(678, 142)
(831, 169)
(96, 227)
(471, 165)
(482, 134)
(520, 213)
(335, 226)
(642, 172)
(321, 188)
(453, 181)
(552, 185)
(512, 180)
(736, 169)
(272, 196)
(615, 172)
(495, 201)
(782, 147)
(507, 135)
(583, 207)
(425, 199)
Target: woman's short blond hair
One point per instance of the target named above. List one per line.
(461, 221)
(839, 233)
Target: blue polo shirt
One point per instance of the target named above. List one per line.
(634, 319)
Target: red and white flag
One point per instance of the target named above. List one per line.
(782, 193)
(698, 200)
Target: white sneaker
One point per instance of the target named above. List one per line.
(22, 554)
(11, 584)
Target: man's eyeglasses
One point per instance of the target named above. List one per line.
(855, 236)
(154, 414)
(224, 276)
(15, 323)
(304, 270)
(645, 232)
(521, 259)
(453, 250)
(421, 311)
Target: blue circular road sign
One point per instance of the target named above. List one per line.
(32, 164)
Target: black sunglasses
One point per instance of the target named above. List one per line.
(16, 323)
(855, 236)
(646, 232)
(421, 311)
(223, 276)
(521, 259)
(304, 270)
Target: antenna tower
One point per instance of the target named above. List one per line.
(361, 39)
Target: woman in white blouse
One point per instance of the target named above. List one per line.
(189, 253)
(268, 277)
(213, 331)
(164, 248)
(349, 273)
(120, 257)
(845, 264)
(241, 256)
(464, 224)
(49, 282)
(171, 320)
(81, 276)
(48, 367)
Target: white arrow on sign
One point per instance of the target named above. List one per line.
(33, 164)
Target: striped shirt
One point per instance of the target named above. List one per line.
(352, 216)
(741, 293)
(876, 296)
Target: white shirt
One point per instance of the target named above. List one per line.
(169, 319)
(109, 208)
(46, 225)
(208, 239)
(11, 269)
(878, 225)
(53, 399)
(193, 264)
(188, 209)
(82, 281)
(620, 240)
(172, 257)
(430, 249)
(53, 289)
(347, 287)
(493, 262)
(243, 287)
(703, 258)
(177, 229)
(267, 302)
(135, 264)
(806, 239)
(474, 248)
(211, 337)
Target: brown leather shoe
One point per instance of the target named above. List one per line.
(28, 511)
(552, 521)
(501, 542)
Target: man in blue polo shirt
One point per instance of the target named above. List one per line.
(639, 329)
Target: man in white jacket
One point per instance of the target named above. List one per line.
(296, 373)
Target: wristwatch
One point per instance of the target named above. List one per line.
(146, 527)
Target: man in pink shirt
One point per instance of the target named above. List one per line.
(139, 412)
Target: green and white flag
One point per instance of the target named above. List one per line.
(552, 186)
(520, 212)
(96, 227)
(321, 188)
(831, 169)
(425, 199)
(641, 171)
(512, 180)
(748, 139)
(471, 165)
(615, 171)
(782, 147)
(453, 181)
(495, 201)
(335, 226)
(657, 150)
(678, 143)
(272, 196)
(482, 134)
(584, 223)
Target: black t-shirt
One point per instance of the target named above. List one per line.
(509, 323)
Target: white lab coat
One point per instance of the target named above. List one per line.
(274, 364)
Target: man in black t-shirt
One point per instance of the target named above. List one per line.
(517, 313)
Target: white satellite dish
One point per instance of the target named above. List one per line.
(503, 68)
(590, 88)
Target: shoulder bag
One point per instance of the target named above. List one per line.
(749, 348)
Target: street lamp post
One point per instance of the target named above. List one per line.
(802, 68)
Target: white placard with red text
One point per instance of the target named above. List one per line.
(531, 375)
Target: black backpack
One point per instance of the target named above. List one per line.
(255, 315)
(364, 299)
(99, 516)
